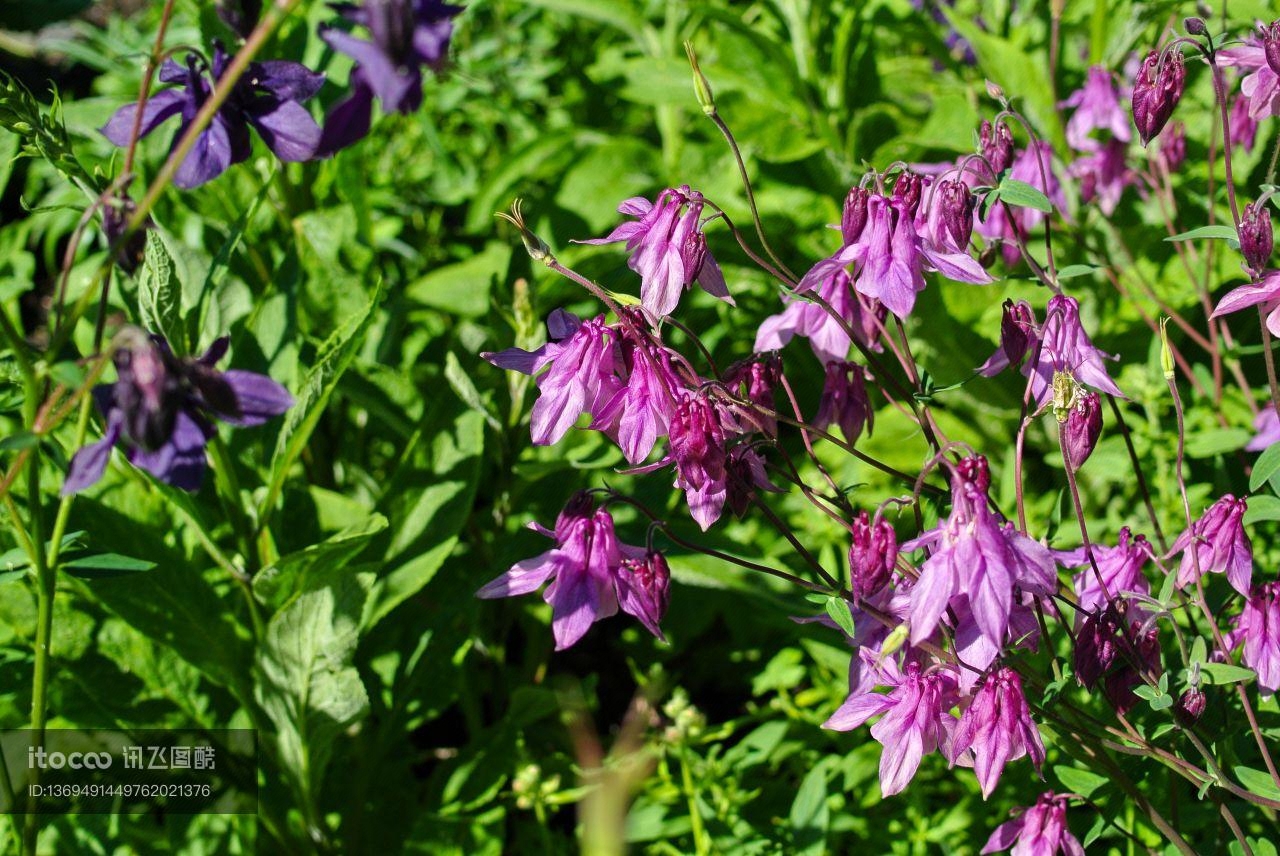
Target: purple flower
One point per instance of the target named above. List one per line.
(996, 145)
(1244, 126)
(1039, 831)
(1157, 90)
(1017, 333)
(1079, 434)
(1265, 294)
(1065, 347)
(1267, 427)
(948, 221)
(667, 249)
(916, 718)
(745, 476)
(1173, 146)
(1120, 567)
(1098, 108)
(974, 555)
(1103, 175)
(844, 401)
(1261, 83)
(698, 450)
(1217, 543)
(583, 359)
(591, 574)
(1259, 627)
(754, 380)
(1256, 238)
(268, 97)
(404, 35)
(853, 216)
(827, 336)
(997, 728)
(977, 651)
(1114, 645)
(872, 555)
(161, 409)
(641, 410)
(1190, 706)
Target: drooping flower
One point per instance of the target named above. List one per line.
(1120, 568)
(591, 574)
(1173, 146)
(996, 144)
(1256, 238)
(1265, 294)
(948, 218)
(844, 401)
(267, 97)
(1018, 332)
(976, 650)
(404, 36)
(161, 410)
(1032, 165)
(1244, 127)
(1039, 831)
(1098, 108)
(973, 555)
(1217, 543)
(667, 249)
(1103, 174)
(997, 728)
(698, 451)
(1190, 706)
(1079, 434)
(1157, 90)
(1065, 347)
(1261, 83)
(916, 718)
(745, 477)
(754, 380)
(641, 410)
(873, 553)
(827, 336)
(1266, 426)
(1115, 645)
(1259, 627)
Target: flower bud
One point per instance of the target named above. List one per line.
(844, 401)
(693, 254)
(1080, 433)
(533, 245)
(1256, 239)
(1195, 26)
(907, 190)
(1270, 35)
(854, 216)
(871, 555)
(701, 86)
(1156, 92)
(997, 145)
(1166, 353)
(1190, 706)
(649, 579)
(957, 210)
(1173, 146)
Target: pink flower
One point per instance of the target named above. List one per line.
(1039, 831)
(1103, 175)
(844, 401)
(698, 450)
(1065, 347)
(826, 335)
(1265, 294)
(872, 555)
(1120, 568)
(997, 728)
(1026, 168)
(1261, 85)
(1217, 543)
(1259, 626)
(1098, 108)
(1267, 426)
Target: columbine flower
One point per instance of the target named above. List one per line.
(1256, 238)
(827, 336)
(1265, 294)
(754, 380)
(1244, 127)
(591, 574)
(1017, 333)
(698, 450)
(1261, 84)
(1259, 627)
(745, 477)
(1039, 831)
(1173, 146)
(161, 409)
(268, 96)
(1217, 543)
(404, 35)
(1190, 706)
(1120, 568)
(1081, 431)
(872, 555)
(1115, 644)
(1157, 90)
(1065, 347)
(997, 728)
(948, 221)
(583, 358)
(916, 720)
(1026, 168)
(1098, 108)
(667, 249)
(844, 401)
(1103, 175)
(1266, 426)
(641, 411)
(974, 556)
(996, 145)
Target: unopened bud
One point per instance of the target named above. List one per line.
(533, 245)
(1156, 92)
(1195, 26)
(995, 91)
(872, 555)
(907, 190)
(997, 145)
(1190, 706)
(1081, 431)
(957, 203)
(854, 216)
(1166, 354)
(701, 86)
(1256, 238)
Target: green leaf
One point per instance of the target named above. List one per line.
(1023, 195)
(1267, 465)
(622, 14)
(1262, 506)
(160, 293)
(1217, 232)
(1073, 271)
(1225, 673)
(838, 609)
(1082, 782)
(462, 288)
(334, 358)
(465, 387)
(19, 440)
(1217, 441)
(277, 582)
(810, 816)
(1258, 782)
(105, 566)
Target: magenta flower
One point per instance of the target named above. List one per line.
(1120, 567)
(1261, 83)
(641, 410)
(827, 336)
(698, 451)
(1257, 239)
(974, 555)
(1039, 831)
(745, 478)
(977, 651)
(1265, 294)
(754, 380)
(590, 573)
(844, 401)
(1018, 332)
(1217, 543)
(948, 219)
(1259, 627)
(1027, 168)
(1065, 347)
(1267, 427)
(1115, 645)
(667, 249)
(1173, 146)
(1103, 175)
(996, 144)
(1157, 90)
(997, 728)
(915, 722)
(1098, 108)
(1244, 126)
(872, 555)
(1081, 431)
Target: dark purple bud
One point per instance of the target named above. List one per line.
(1190, 706)
(854, 216)
(693, 254)
(907, 190)
(975, 471)
(240, 15)
(997, 145)
(1082, 428)
(871, 555)
(647, 584)
(578, 508)
(1270, 35)
(957, 210)
(755, 379)
(1156, 92)
(1096, 647)
(1118, 686)
(1195, 26)
(1256, 238)
(844, 401)
(746, 476)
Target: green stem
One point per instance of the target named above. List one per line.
(701, 844)
(46, 582)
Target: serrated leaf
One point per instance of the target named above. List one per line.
(1216, 232)
(160, 293)
(1267, 465)
(1225, 673)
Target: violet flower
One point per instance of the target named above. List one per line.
(754, 380)
(1173, 146)
(873, 553)
(996, 145)
(1217, 543)
(844, 401)
(1018, 332)
(1265, 294)
(1039, 831)
(915, 722)
(1065, 347)
(667, 249)
(698, 451)
(974, 555)
(641, 410)
(1259, 627)
(161, 410)
(976, 650)
(1257, 239)
(1098, 108)
(1103, 174)
(827, 336)
(997, 728)
(1115, 645)
(1261, 83)
(268, 97)
(1026, 168)
(404, 36)
(745, 478)
(1120, 568)
(1266, 426)
(1244, 126)
(591, 574)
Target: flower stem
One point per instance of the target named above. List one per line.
(1270, 360)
